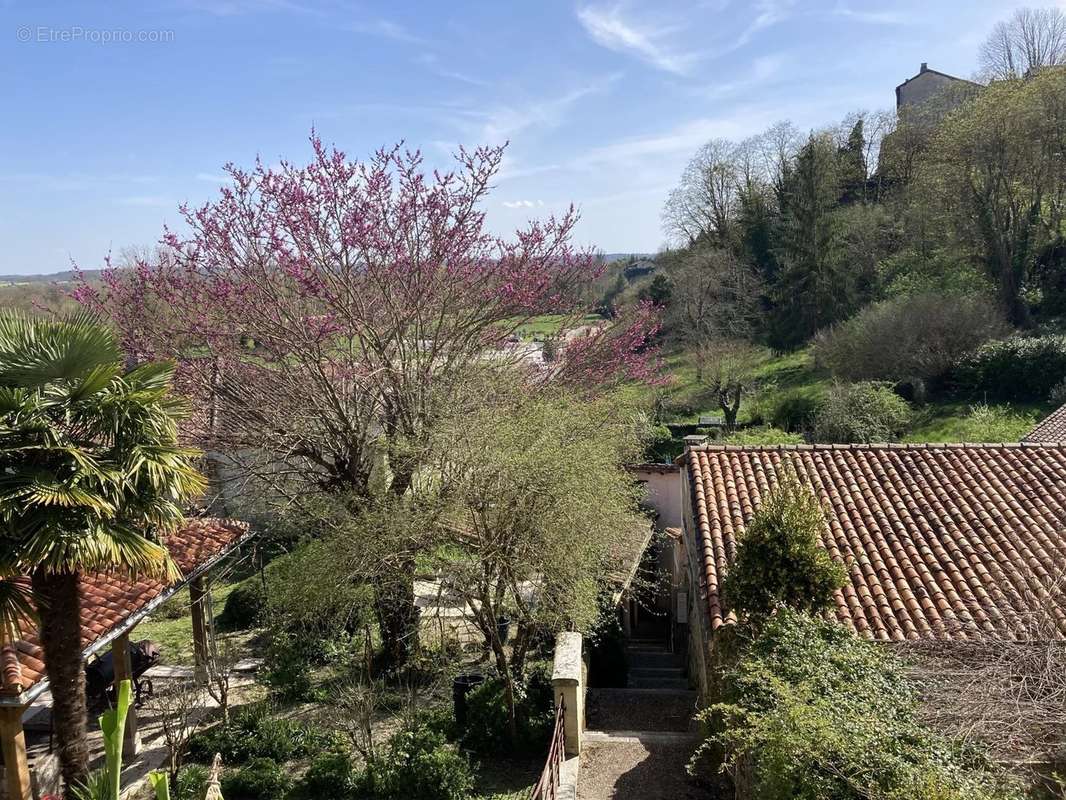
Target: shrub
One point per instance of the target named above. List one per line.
(1020, 368)
(244, 606)
(765, 434)
(792, 411)
(910, 339)
(253, 733)
(779, 561)
(1057, 395)
(287, 668)
(487, 727)
(330, 775)
(861, 412)
(260, 779)
(420, 763)
(174, 608)
(987, 423)
(191, 783)
(812, 712)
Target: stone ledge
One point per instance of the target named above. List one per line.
(567, 665)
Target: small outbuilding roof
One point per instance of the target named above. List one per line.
(942, 542)
(112, 603)
(1051, 428)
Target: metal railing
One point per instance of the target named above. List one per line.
(547, 787)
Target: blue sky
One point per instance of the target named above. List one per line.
(603, 102)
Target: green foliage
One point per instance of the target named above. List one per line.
(106, 783)
(420, 763)
(331, 775)
(1019, 368)
(191, 783)
(160, 783)
(992, 170)
(764, 434)
(812, 712)
(814, 288)
(287, 668)
(987, 423)
(864, 412)
(259, 779)
(253, 732)
(792, 411)
(779, 561)
(913, 338)
(487, 728)
(658, 291)
(90, 450)
(244, 605)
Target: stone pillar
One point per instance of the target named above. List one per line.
(120, 657)
(13, 743)
(200, 599)
(568, 685)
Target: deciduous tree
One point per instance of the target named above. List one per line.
(323, 315)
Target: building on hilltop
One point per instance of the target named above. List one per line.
(931, 85)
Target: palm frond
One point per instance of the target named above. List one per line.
(35, 351)
(17, 610)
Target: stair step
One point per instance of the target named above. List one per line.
(641, 676)
(633, 737)
(658, 683)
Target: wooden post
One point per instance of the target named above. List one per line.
(200, 600)
(16, 765)
(120, 657)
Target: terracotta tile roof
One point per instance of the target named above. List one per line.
(108, 600)
(940, 541)
(1051, 428)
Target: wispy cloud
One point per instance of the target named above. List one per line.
(844, 9)
(506, 122)
(523, 203)
(608, 28)
(767, 14)
(387, 29)
(761, 71)
(434, 65)
(212, 177)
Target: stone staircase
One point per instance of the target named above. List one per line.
(639, 739)
(653, 666)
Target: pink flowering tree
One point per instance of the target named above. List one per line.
(323, 315)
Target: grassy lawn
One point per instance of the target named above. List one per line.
(171, 625)
(507, 779)
(549, 324)
(952, 422)
(794, 375)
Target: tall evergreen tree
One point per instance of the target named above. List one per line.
(813, 289)
(852, 158)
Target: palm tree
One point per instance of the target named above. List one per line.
(91, 475)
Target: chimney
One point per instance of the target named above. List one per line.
(694, 440)
(925, 68)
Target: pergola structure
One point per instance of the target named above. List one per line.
(112, 606)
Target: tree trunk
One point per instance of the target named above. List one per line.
(397, 617)
(60, 615)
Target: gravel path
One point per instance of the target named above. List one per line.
(629, 710)
(637, 771)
